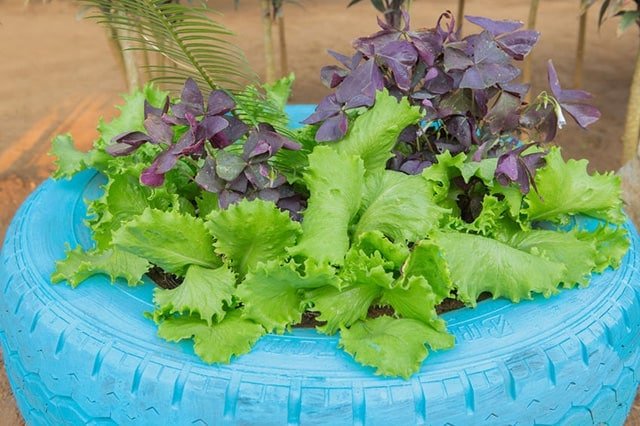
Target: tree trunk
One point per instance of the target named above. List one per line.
(531, 25)
(282, 40)
(460, 15)
(632, 122)
(582, 37)
(270, 68)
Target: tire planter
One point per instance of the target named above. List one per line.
(88, 356)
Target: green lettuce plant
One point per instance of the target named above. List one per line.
(259, 228)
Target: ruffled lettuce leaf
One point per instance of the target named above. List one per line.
(611, 245)
(272, 293)
(203, 293)
(565, 248)
(122, 199)
(439, 175)
(249, 232)
(80, 265)
(218, 342)
(374, 133)
(335, 182)
(398, 205)
(566, 188)
(375, 241)
(415, 299)
(395, 347)
(478, 264)
(168, 239)
(341, 307)
(489, 221)
(69, 160)
(426, 261)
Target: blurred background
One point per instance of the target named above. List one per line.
(59, 73)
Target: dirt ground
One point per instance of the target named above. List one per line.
(57, 73)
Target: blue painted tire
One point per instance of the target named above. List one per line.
(88, 356)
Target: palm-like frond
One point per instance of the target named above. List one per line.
(192, 42)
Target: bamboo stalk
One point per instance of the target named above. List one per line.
(129, 59)
(270, 68)
(116, 51)
(284, 60)
(531, 25)
(632, 121)
(582, 37)
(460, 15)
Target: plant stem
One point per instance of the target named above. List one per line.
(284, 61)
(531, 25)
(270, 68)
(582, 37)
(632, 122)
(460, 15)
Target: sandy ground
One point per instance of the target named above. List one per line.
(52, 63)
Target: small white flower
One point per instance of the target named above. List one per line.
(561, 120)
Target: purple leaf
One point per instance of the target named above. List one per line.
(400, 56)
(485, 75)
(191, 101)
(456, 59)
(460, 128)
(332, 75)
(230, 134)
(333, 129)
(126, 143)
(572, 101)
(226, 198)
(583, 114)
(504, 114)
(210, 126)
(151, 176)
(518, 168)
(428, 45)
(219, 103)
(518, 44)
(494, 27)
(228, 165)
(327, 107)
(207, 177)
(158, 130)
(359, 88)
(151, 110)
(239, 184)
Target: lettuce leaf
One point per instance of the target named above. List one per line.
(69, 160)
(217, 342)
(566, 188)
(204, 292)
(478, 264)
(426, 261)
(169, 239)
(272, 293)
(374, 133)
(384, 193)
(371, 242)
(414, 300)
(561, 247)
(80, 265)
(611, 245)
(335, 182)
(395, 347)
(249, 232)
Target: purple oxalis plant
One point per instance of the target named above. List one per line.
(467, 90)
(191, 129)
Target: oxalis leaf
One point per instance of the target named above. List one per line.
(478, 264)
(249, 232)
(80, 265)
(376, 131)
(204, 292)
(335, 182)
(566, 188)
(171, 240)
(272, 294)
(217, 342)
(395, 347)
(398, 205)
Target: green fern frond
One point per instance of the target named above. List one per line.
(194, 44)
